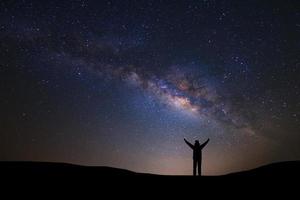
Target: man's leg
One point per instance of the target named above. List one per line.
(199, 167)
(194, 167)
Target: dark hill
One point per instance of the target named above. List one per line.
(282, 169)
(28, 168)
(47, 175)
(24, 168)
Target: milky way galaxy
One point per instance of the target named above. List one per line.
(121, 83)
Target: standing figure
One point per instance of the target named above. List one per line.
(197, 155)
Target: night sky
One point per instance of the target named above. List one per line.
(121, 83)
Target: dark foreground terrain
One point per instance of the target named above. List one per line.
(27, 168)
(44, 171)
(45, 175)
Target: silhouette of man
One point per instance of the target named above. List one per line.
(197, 155)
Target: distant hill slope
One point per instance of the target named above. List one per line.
(287, 169)
(27, 168)
(58, 169)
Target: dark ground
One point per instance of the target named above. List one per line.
(286, 169)
(280, 177)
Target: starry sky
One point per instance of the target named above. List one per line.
(121, 83)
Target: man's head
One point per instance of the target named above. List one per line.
(197, 142)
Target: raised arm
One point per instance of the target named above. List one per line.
(204, 144)
(190, 145)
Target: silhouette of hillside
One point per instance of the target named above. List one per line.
(52, 169)
(282, 169)
(50, 177)
(25, 168)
